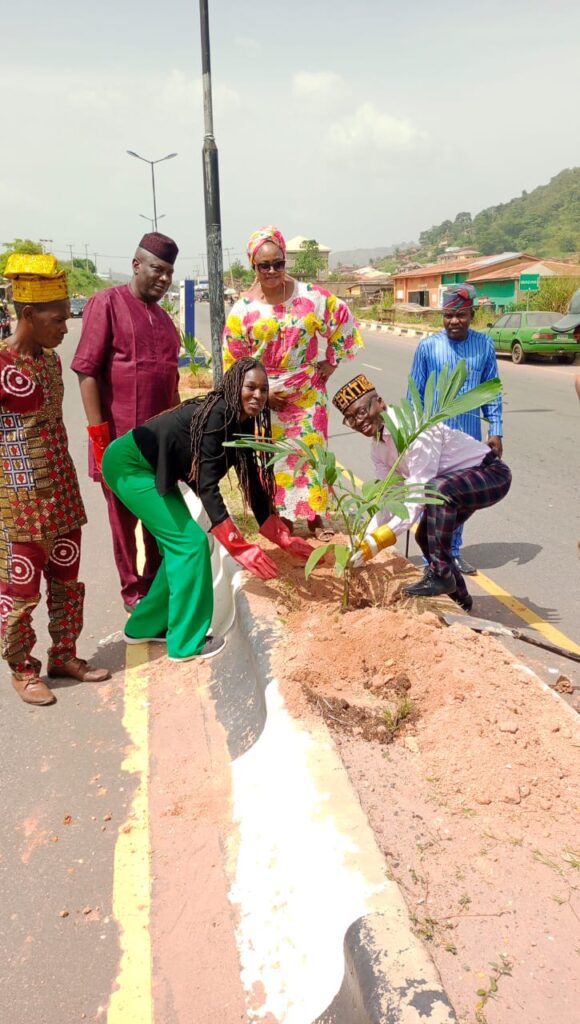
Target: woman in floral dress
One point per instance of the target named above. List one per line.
(283, 322)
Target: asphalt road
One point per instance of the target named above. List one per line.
(64, 792)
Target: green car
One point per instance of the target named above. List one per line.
(530, 333)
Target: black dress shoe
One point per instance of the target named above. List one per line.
(464, 567)
(464, 602)
(431, 585)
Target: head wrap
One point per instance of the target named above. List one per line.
(572, 320)
(350, 392)
(461, 296)
(160, 245)
(266, 234)
(36, 278)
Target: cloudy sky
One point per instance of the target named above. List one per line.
(357, 124)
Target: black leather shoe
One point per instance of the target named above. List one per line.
(464, 602)
(431, 585)
(465, 568)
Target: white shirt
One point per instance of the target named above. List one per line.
(438, 450)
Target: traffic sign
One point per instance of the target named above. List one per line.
(529, 282)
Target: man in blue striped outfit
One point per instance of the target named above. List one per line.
(458, 341)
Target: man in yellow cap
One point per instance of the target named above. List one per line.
(41, 510)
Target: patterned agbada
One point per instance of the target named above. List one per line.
(286, 339)
(41, 510)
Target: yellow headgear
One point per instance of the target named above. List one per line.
(36, 278)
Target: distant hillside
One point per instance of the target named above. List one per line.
(362, 257)
(545, 222)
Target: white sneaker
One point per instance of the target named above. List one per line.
(159, 639)
(213, 645)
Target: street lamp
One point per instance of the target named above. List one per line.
(152, 165)
(150, 219)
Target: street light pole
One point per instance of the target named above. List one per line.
(213, 225)
(154, 197)
(151, 220)
(152, 163)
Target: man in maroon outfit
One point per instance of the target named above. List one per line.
(127, 366)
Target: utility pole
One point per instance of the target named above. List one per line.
(86, 256)
(229, 252)
(213, 224)
(70, 249)
(202, 258)
(44, 242)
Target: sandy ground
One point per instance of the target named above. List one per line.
(466, 769)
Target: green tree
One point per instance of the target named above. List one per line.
(240, 274)
(309, 260)
(84, 264)
(553, 295)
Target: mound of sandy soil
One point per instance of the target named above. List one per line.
(466, 767)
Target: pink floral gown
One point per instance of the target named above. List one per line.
(285, 338)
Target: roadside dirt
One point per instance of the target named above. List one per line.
(466, 769)
(196, 970)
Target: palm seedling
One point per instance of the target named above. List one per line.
(355, 506)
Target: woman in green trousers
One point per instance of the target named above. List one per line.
(186, 443)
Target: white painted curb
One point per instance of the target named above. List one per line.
(401, 329)
(323, 934)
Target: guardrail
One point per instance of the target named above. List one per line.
(412, 330)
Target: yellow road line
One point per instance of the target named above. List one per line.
(523, 612)
(531, 618)
(132, 1001)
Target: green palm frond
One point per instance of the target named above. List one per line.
(442, 401)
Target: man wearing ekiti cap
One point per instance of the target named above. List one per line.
(127, 366)
(467, 472)
(447, 347)
(41, 510)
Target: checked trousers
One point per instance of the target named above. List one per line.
(57, 558)
(466, 491)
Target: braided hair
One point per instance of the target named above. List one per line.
(230, 390)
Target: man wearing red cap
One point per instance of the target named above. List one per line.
(127, 366)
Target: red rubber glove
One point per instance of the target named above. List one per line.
(249, 555)
(100, 439)
(275, 529)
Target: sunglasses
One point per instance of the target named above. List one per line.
(357, 417)
(265, 266)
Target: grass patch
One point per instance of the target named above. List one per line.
(394, 719)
